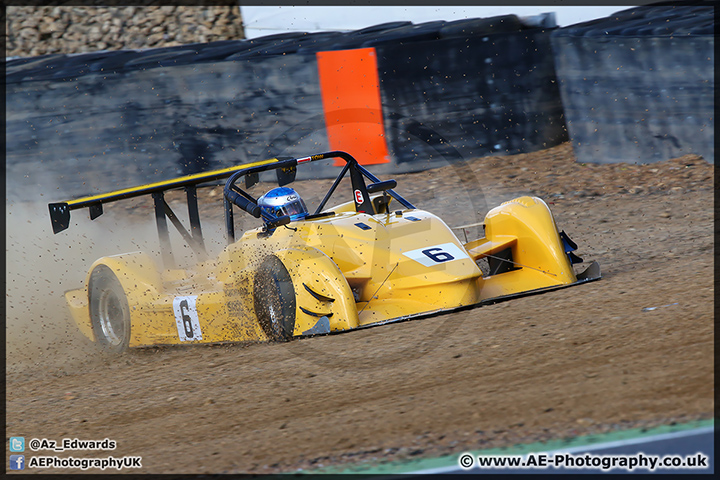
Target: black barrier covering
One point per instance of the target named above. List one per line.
(638, 86)
(101, 131)
(105, 120)
(488, 94)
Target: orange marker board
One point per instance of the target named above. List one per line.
(350, 90)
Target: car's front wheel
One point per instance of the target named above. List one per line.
(109, 311)
(274, 299)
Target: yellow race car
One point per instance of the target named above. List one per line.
(360, 263)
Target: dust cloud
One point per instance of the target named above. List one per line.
(41, 266)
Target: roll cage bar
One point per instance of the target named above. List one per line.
(286, 170)
(232, 194)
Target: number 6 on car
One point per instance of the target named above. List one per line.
(186, 317)
(434, 255)
(342, 267)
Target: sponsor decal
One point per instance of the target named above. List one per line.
(359, 197)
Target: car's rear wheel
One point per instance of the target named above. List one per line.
(109, 311)
(274, 297)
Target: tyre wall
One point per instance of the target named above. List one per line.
(499, 97)
(99, 131)
(638, 86)
(96, 121)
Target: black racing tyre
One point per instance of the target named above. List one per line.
(274, 297)
(109, 311)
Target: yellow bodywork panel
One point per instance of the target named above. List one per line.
(526, 226)
(347, 269)
(320, 290)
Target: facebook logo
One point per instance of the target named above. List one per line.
(17, 462)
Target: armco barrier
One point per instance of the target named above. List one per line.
(92, 122)
(639, 86)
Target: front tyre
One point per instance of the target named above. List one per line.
(109, 311)
(274, 299)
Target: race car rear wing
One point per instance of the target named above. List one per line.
(60, 212)
(285, 171)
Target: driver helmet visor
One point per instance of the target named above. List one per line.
(294, 208)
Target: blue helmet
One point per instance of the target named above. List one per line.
(282, 201)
